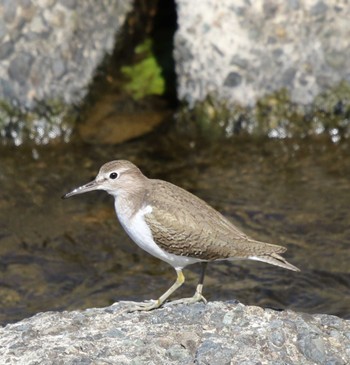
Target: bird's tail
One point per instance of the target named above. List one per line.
(274, 258)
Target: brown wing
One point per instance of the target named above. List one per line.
(184, 225)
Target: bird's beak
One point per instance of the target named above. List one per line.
(92, 185)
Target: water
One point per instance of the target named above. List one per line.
(68, 254)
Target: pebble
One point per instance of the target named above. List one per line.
(20, 67)
(6, 49)
(177, 353)
(313, 348)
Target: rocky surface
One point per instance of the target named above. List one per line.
(49, 53)
(239, 51)
(50, 49)
(216, 333)
(229, 55)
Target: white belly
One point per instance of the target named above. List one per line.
(139, 232)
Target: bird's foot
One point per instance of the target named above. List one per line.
(142, 306)
(198, 297)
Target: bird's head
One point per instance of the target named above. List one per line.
(114, 177)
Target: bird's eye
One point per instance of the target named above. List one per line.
(113, 175)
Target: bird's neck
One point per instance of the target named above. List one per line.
(128, 202)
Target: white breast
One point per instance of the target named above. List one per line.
(138, 230)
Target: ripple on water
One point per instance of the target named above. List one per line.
(58, 254)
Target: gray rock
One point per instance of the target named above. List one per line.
(6, 49)
(178, 353)
(25, 3)
(58, 67)
(312, 346)
(71, 4)
(300, 46)
(319, 8)
(9, 10)
(216, 333)
(2, 28)
(20, 67)
(31, 31)
(233, 79)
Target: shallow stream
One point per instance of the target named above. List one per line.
(71, 254)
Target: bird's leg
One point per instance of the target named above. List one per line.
(198, 294)
(153, 304)
(197, 297)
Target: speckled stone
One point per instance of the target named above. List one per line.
(51, 48)
(6, 49)
(20, 67)
(216, 333)
(239, 51)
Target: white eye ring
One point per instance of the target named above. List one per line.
(113, 175)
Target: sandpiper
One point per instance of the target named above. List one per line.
(175, 226)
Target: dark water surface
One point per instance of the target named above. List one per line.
(67, 254)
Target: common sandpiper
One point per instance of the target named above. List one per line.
(175, 226)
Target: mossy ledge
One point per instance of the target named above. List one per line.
(274, 116)
(47, 123)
